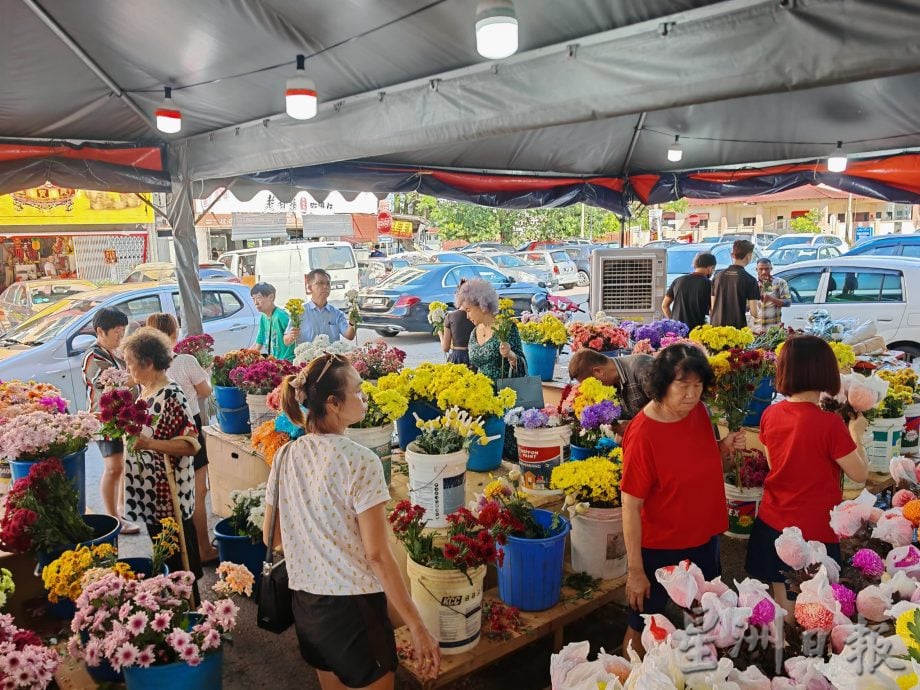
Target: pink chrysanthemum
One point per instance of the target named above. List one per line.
(763, 613)
(869, 562)
(814, 617)
(846, 597)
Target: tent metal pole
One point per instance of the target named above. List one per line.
(218, 198)
(637, 132)
(77, 50)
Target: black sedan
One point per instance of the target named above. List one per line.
(400, 303)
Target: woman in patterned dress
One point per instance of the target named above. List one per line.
(174, 436)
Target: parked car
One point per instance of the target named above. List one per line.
(23, 300)
(760, 239)
(806, 238)
(661, 243)
(517, 268)
(681, 256)
(888, 245)
(581, 255)
(400, 303)
(49, 346)
(713, 239)
(802, 252)
(539, 244)
(286, 267)
(555, 260)
(490, 246)
(161, 272)
(374, 270)
(882, 289)
(242, 263)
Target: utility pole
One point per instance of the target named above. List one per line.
(847, 235)
(582, 220)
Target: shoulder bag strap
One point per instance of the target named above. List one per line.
(269, 552)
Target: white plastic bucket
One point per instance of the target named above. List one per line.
(437, 483)
(259, 411)
(378, 439)
(450, 607)
(539, 451)
(742, 505)
(598, 545)
(885, 442)
(910, 439)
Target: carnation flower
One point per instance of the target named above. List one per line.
(814, 617)
(764, 613)
(869, 563)
(846, 597)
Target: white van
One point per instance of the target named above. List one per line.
(243, 263)
(286, 267)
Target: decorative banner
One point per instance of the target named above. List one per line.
(50, 205)
(401, 228)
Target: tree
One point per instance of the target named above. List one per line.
(807, 223)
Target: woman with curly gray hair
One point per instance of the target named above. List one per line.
(490, 356)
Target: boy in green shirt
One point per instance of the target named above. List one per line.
(272, 325)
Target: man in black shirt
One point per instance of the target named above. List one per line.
(690, 296)
(734, 290)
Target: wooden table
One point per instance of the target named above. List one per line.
(537, 625)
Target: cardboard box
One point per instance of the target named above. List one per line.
(232, 465)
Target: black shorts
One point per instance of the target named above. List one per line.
(350, 636)
(763, 563)
(111, 447)
(201, 457)
(705, 556)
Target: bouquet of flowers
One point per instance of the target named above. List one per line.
(738, 373)
(262, 377)
(113, 378)
(437, 315)
(24, 661)
(719, 338)
(772, 338)
(122, 416)
(39, 435)
(503, 503)
(749, 469)
(450, 385)
(41, 511)
(893, 404)
(455, 430)
(247, 511)
(354, 314)
(383, 407)
(224, 364)
(504, 320)
(905, 377)
(267, 439)
(377, 359)
(858, 395)
(201, 347)
(294, 309)
(594, 482)
(601, 337)
(655, 331)
(594, 408)
(543, 329)
(535, 417)
(63, 577)
(320, 345)
(18, 398)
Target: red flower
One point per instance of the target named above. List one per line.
(450, 551)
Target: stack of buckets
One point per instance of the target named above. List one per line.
(232, 410)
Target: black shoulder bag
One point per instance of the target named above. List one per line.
(275, 611)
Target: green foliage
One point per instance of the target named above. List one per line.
(807, 223)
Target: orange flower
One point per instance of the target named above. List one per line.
(911, 511)
(267, 441)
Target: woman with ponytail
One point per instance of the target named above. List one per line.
(330, 512)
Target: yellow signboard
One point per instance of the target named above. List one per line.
(401, 228)
(50, 205)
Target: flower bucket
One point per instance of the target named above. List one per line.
(74, 467)
(105, 531)
(239, 549)
(103, 673)
(910, 438)
(450, 607)
(539, 451)
(541, 360)
(488, 457)
(232, 410)
(378, 439)
(530, 576)
(405, 425)
(742, 505)
(179, 676)
(581, 453)
(144, 566)
(885, 442)
(437, 483)
(598, 545)
(763, 398)
(259, 411)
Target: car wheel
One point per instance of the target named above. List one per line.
(386, 332)
(584, 280)
(911, 351)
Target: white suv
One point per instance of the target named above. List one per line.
(883, 289)
(557, 261)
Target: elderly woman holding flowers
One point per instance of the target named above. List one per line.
(672, 470)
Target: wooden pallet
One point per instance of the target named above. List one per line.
(538, 625)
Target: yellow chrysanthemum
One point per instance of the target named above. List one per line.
(718, 338)
(907, 682)
(595, 480)
(590, 392)
(901, 628)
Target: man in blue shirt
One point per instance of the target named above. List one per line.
(272, 325)
(320, 317)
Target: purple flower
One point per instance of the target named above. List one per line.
(869, 562)
(604, 412)
(54, 402)
(846, 597)
(534, 418)
(763, 613)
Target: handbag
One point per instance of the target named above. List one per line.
(529, 389)
(275, 610)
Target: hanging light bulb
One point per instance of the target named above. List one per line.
(675, 151)
(300, 94)
(837, 161)
(169, 120)
(496, 29)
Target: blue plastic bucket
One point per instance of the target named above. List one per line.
(232, 410)
(530, 577)
(541, 360)
(489, 456)
(236, 549)
(105, 531)
(763, 397)
(405, 425)
(179, 676)
(74, 467)
(581, 453)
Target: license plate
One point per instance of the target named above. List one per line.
(375, 301)
(338, 285)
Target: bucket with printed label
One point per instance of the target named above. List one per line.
(539, 451)
(450, 604)
(885, 442)
(742, 505)
(910, 438)
(598, 545)
(378, 439)
(437, 483)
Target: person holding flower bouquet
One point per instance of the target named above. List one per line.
(330, 501)
(806, 448)
(672, 468)
(319, 317)
(195, 383)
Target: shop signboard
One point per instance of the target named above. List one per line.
(51, 205)
(401, 228)
(863, 233)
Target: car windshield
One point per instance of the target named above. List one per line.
(405, 276)
(50, 294)
(41, 330)
(508, 261)
(788, 256)
(786, 240)
(681, 260)
(332, 258)
(535, 259)
(560, 256)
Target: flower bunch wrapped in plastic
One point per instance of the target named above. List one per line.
(321, 345)
(201, 347)
(294, 309)
(22, 397)
(738, 373)
(262, 377)
(38, 435)
(534, 417)
(383, 406)
(63, 577)
(224, 364)
(267, 439)
(377, 359)
(599, 336)
(594, 481)
(247, 510)
(718, 338)
(123, 416)
(437, 315)
(351, 304)
(894, 402)
(24, 661)
(543, 329)
(455, 430)
(450, 385)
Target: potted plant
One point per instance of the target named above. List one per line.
(259, 379)
(744, 490)
(201, 347)
(232, 411)
(592, 490)
(446, 571)
(376, 359)
(375, 431)
(239, 537)
(594, 410)
(542, 335)
(543, 436)
(601, 336)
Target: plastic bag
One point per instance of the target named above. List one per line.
(862, 332)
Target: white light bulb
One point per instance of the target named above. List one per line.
(496, 29)
(675, 151)
(837, 161)
(300, 99)
(169, 121)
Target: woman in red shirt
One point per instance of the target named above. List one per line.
(806, 449)
(672, 487)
